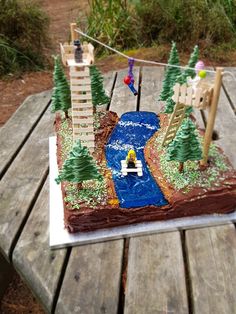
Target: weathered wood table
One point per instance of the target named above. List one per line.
(190, 271)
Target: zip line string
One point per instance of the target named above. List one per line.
(146, 61)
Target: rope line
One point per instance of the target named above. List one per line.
(147, 61)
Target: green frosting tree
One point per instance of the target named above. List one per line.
(171, 74)
(185, 145)
(191, 64)
(169, 106)
(182, 79)
(61, 97)
(99, 96)
(56, 102)
(79, 166)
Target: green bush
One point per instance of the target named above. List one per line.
(128, 24)
(23, 35)
(188, 22)
(111, 22)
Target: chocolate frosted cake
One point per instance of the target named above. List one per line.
(161, 193)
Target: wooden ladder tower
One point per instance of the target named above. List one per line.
(174, 123)
(81, 95)
(82, 107)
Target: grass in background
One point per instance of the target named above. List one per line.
(112, 23)
(23, 36)
(143, 23)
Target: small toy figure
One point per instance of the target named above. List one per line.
(200, 75)
(78, 51)
(131, 159)
(129, 79)
(131, 164)
(199, 66)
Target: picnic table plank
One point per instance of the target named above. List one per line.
(123, 99)
(212, 264)
(21, 183)
(229, 86)
(150, 89)
(40, 266)
(108, 83)
(156, 278)
(225, 126)
(92, 279)
(19, 126)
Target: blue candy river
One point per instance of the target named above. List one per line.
(132, 132)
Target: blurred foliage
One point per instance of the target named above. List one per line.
(137, 23)
(23, 36)
(188, 22)
(113, 23)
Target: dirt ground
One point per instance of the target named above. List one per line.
(61, 13)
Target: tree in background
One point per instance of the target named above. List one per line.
(61, 97)
(171, 74)
(99, 96)
(185, 145)
(79, 166)
(191, 64)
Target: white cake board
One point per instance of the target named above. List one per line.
(59, 236)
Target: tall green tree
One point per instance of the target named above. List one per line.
(79, 166)
(55, 100)
(191, 64)
(169, 106)
(99, 96)
(171, 74)
(186, 145)
(61, 97)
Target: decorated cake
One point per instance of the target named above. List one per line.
(139, 167)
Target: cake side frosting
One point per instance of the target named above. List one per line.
(195, 201)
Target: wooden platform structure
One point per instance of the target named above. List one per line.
(80, 86)
(137, 169)
(189, 271)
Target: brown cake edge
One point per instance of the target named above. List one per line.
(194, 204)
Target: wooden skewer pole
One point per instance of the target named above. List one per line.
(212, 115)
(73, 33)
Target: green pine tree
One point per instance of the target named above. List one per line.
(56, 102)
(61, 93)
(99, 96)
(185, 145)
(79, 166)
(182, 78)
(171, 74)
(169, 106)
(192, 62)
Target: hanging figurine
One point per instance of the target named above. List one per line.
(200, 74)
(129, 79)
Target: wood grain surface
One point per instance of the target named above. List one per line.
(19, 126)
(92, 280)
(156, 278)
(32, 258)
(212, 263)
(21, 183)
(161, 276)
(150, 89)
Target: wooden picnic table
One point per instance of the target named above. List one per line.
(187, 271)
